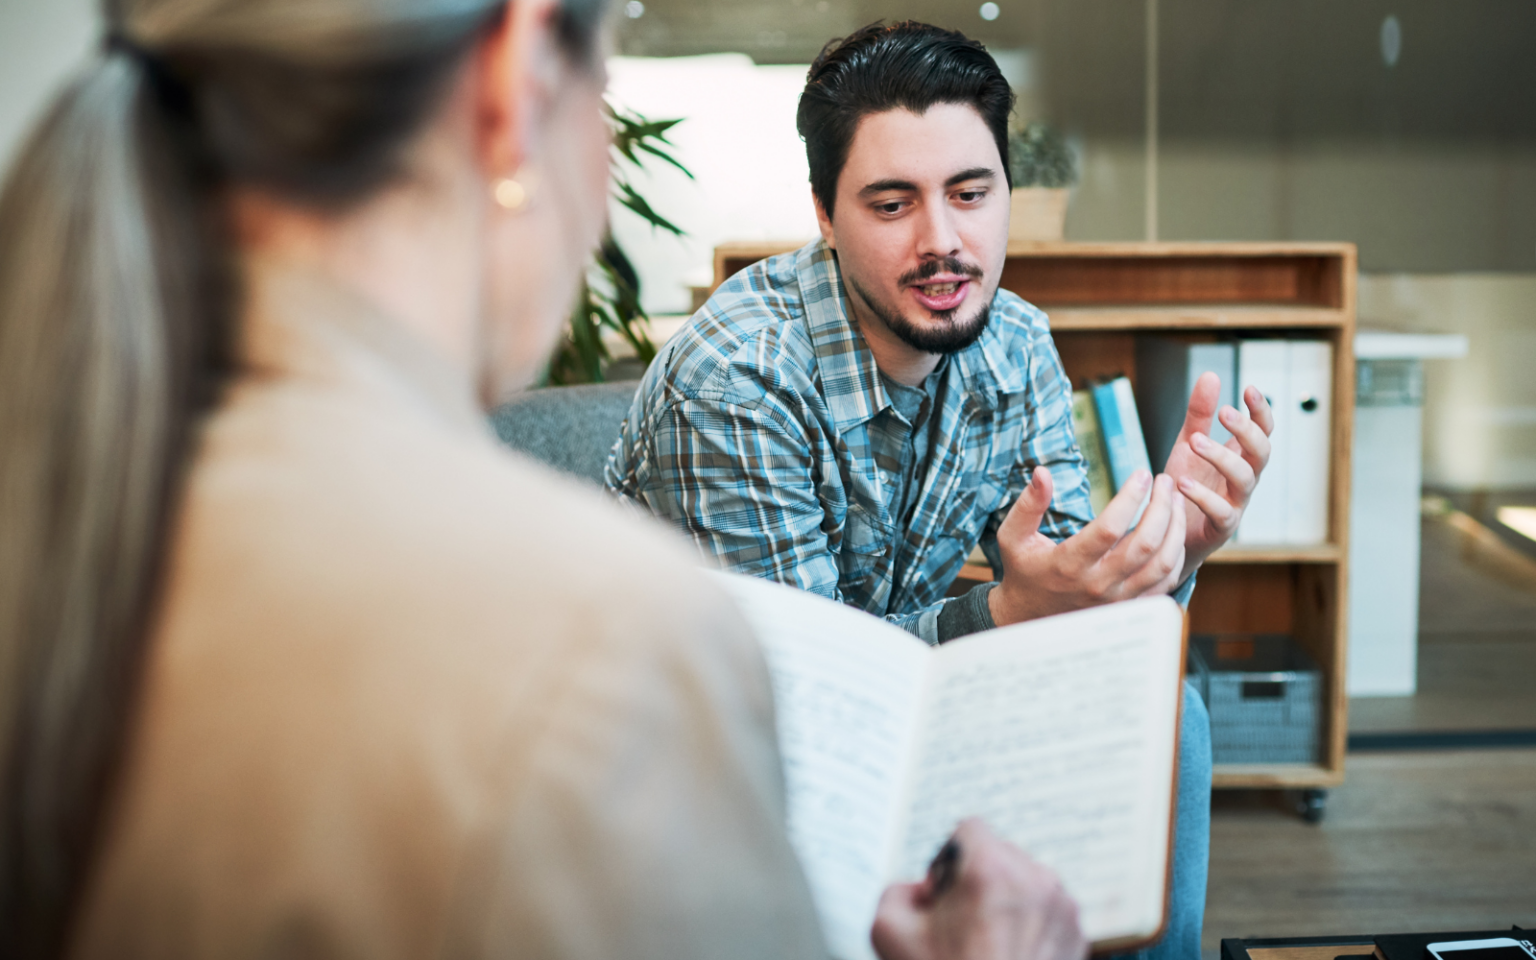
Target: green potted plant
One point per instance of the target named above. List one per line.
(1044, 171)
(610, 294)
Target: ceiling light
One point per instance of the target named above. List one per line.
(1391, 41)
(989, 10)
(634, 9)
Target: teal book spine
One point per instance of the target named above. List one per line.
(1121, 429)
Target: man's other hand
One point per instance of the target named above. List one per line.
(1217, 480)
(1000, 905)
(1102, 563)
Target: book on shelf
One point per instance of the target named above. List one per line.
(1060, 733)
(1167, 368)
(1290, 504)
(1085, 423)
(1120, 425)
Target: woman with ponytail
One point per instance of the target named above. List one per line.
(294, 659)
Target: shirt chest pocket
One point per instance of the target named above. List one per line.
(984, 491)
(865, 555)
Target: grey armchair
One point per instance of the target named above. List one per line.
(570, 428)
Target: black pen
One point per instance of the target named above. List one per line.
(945, 865)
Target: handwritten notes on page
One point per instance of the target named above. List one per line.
(846, 690)
(1061, 735)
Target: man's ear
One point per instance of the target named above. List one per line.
(519, 70)
(824, 221)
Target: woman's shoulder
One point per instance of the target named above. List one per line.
(347, 497)
(383, 576)
(442, 639)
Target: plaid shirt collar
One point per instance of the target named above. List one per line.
(850, 377)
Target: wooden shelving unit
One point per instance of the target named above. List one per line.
(1100, 298)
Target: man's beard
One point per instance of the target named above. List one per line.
(948, 335)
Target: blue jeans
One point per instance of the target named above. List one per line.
(1191, 838)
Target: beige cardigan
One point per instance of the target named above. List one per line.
(412, 696)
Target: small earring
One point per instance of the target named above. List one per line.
(510, 194)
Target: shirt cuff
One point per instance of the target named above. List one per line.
(966, 614)
(926, 624)
(1183, 591)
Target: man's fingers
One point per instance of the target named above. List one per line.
(1162, 573)
(1024, 517)
(1252, 440)
(1203, 401)
(1237, 471)
(1135, 564)
(1258, 409)
(1139, 547)
(1100, 536)
(1223, 515)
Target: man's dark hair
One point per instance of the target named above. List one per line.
(908, 65)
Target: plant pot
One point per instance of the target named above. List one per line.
(1038, 213)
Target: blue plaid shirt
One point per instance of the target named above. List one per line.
(764, 431)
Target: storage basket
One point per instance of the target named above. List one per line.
(1264, 694)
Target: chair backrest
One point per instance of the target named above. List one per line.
(570, 428)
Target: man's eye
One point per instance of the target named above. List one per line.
(970, 196)
(893, 206)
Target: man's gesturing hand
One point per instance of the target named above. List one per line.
(1000, 905)
(1100, 564)
(1217, 479)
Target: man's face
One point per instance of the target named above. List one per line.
(921, 224)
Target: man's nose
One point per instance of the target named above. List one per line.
(937, 235)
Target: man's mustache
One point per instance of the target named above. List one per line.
(935, 267)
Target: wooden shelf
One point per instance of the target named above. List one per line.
(1205, 316)
(1141, 249)
(1280, 553)
(1275, 775)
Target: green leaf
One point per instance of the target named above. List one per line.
(629, 198)
(662, 154)
(610, 299)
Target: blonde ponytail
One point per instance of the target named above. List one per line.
(106, 329)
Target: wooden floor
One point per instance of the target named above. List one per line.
(1477, 637)
(1411, 841)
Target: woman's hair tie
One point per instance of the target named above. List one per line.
(171, 89)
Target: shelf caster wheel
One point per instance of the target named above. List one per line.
(1312, 804)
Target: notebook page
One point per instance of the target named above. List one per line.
(846, 688)
(1060, 733)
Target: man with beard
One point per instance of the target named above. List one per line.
(854, 417)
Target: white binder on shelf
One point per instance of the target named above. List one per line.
(1266, 364)
(1309, 417)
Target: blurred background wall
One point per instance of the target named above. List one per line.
(1406, 127)
(41, 41)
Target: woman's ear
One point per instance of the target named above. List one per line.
(519, 66)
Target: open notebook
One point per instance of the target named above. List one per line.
(1061, 733)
